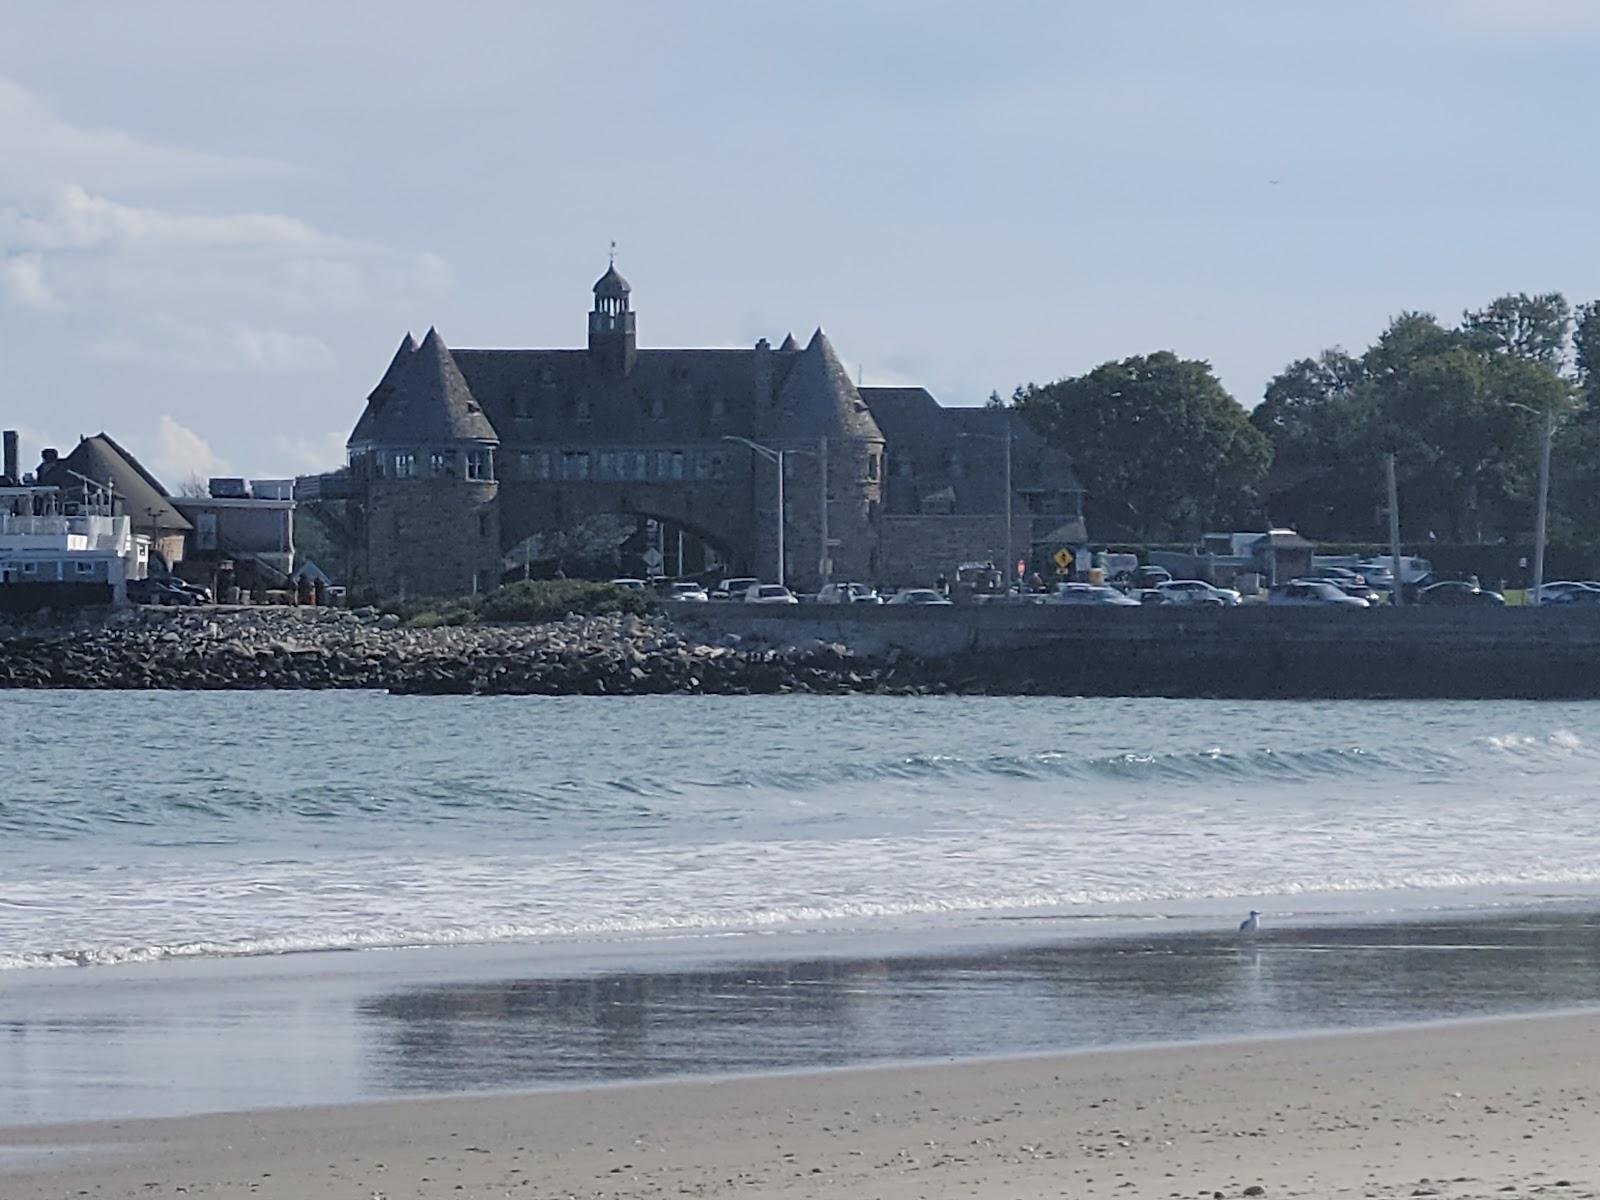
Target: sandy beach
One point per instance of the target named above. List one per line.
(1478, 1109)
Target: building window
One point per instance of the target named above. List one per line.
(480, 464)
(405, 465)
(658, 406)
(535, 464)
(85, 568)
(30, 568)
(872, 468)
(483, 524)
(574, 464)
(719, 408)
(637, 464)
(442, 462)
(524, 406)
(719, 466)
(205, 531)
(580, 409)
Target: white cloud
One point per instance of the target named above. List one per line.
(166, 342)
(1535, 17)
(180, 455)
(22, 283)
(38, 149)
(318, 452)
(206, 292)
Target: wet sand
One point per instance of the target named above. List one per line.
(1494, 1108)
(176, 1039)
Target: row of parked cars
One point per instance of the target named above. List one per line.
(169, 590)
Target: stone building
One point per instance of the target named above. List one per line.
(462, 454)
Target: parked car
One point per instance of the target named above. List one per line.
(769, 593)
(1336, 575)
(1090, 593)
(1458, 592)
(1560, 591)
(688, 591)
(1586, 596)
(923, 596)
(1320, 592)
(629, 585)
(161, 590)
(1148, 576)
(200, 592)
(1197, 591)
(848, 593)
(733, 589)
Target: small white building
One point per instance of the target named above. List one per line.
(44, 540)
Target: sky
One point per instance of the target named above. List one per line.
(218, 220)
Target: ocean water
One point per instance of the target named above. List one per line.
(137, 827)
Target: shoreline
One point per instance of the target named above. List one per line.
(1461, 1108)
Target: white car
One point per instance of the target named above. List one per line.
(689, 592)
(1561, 591)
(1196, 591)
(847, 593)
(924, 596)
(769, 593)
(1090, 593)
(1318, 592)
(631, 585)
(733, 589)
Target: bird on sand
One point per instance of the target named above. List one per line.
(1251, 923)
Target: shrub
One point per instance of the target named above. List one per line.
(539, 600)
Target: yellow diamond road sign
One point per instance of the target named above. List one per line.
(1063, 558)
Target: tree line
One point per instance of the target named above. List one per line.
(1165, 453)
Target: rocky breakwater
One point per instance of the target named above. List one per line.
(221, 649)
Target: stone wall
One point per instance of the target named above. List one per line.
(432, 537)
(1254, 651)
(915, 551)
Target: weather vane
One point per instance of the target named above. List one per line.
(613, 257)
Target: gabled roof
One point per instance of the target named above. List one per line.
(427, 401)
(818, 399)
(136, 492)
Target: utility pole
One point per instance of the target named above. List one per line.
(1394, 530)
(1006, 415)
(822, 508)
(775, 456)
(1547, 434)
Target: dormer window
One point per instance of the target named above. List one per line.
(480, 464)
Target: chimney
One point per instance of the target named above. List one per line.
(48, 454)
(12, 468)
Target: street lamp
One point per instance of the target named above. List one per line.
(1547, 433)
(1005, 439)
(773, 455)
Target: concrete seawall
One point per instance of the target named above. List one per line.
(1251, 651)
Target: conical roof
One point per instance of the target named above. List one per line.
(611, 285)
(385, 388)
(428, 401)
(789, 343)
(138, 494)
(818, 399)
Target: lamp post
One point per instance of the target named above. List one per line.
(772, 455)
(1005, 440)
(1547, 433)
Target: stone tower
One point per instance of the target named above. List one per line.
(613, 336)
(834, 448)
(427, 455)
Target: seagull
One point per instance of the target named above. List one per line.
(1251, 923)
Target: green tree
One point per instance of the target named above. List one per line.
(1161, 448)
(1451, 404)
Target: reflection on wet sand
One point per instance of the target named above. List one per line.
(537, 1032)
(291, 1031)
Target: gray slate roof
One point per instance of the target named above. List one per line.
(819, 400)
(611, 284)
(137, 493)
(385, 388)
(426, 400)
